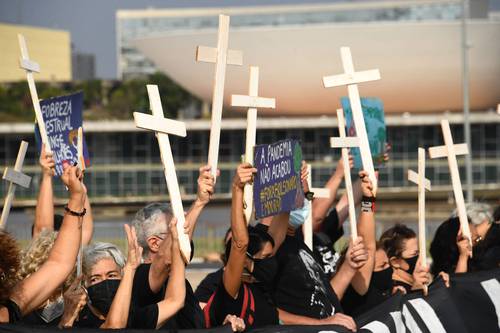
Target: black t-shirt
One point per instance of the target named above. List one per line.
(323, 242)
(34, 319)
(208, 285)
(301, 286)
(253, 305)
(87, 319)
(145, 317)
(189, 317)
(355, 304)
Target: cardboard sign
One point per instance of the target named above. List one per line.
(62, 116)
(373, 112)
(277, 185)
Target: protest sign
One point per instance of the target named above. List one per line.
(373, 112)
(277, 185)
(63, 116)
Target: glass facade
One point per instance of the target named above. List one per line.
(131, 62)
(128, 164)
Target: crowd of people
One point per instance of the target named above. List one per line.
(269, 276)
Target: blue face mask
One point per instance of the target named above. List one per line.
(298, 216)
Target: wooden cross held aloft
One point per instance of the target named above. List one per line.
(163, 127)
(30, 66)
(14, 177)
(423, 184)
(345, 143)
(451, 150)
(351, 79)
(308, 223)
(81, 166)
(252, 102)
(221, 56)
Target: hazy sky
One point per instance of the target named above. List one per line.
(92, 22)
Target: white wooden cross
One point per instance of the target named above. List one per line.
(307, 228)
(81, 166)
(423, 184)
(14, 177)
(252, 102)
(30, 66)
(451, 150)
(345, 143)
(351, 79)
(221, 56)
(163, 127)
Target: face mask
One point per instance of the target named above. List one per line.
(264, 270)
(412, 262)
(382, 280)
(52, 311)
(298, 216)
(101, 295)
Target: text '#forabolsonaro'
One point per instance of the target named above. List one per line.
(271, 195)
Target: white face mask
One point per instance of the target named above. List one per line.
(298, 216)
(52, 310)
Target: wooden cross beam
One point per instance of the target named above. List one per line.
(423, 184)
(345, 143)
(79, 146)
(15, 177)
(163, 127)
(451, 150)
(221, 56)
(30, 66)
(307, 228)
(252, 101)
(351, 79)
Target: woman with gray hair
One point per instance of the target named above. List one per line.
(108, 282)
(450, 250)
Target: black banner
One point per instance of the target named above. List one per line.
(470, 304)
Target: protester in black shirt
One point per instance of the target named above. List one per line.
(30, 293)
(401, 245)
(451, 251)
(152, 276)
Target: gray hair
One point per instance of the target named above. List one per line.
(477, 212)
(148, 222)
(95, 252)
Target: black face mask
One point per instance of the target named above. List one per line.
(382, 280)
(264, 270)
(412, 262)
(101, 295)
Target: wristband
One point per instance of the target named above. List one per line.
(368, 204)
(73, 213)
(309, 195)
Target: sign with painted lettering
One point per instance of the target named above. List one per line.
(373, 112)
(62, 116)
(277, 185)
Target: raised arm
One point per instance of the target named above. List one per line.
(44, 213)
(176, 288)
(366, 230)
(239, 241)
(120, 307)
(321, 206)
(206, 188)
(30, 293)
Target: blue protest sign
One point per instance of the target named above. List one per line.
(277, 187)
(373, 112)
(62, 116)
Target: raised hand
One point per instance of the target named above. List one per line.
(366, 184)
(134, 250)
(206, 184)
(356, 255)
(244, 175)
(72, 178)
(463, 244)
(421, 276)
(47, 162)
